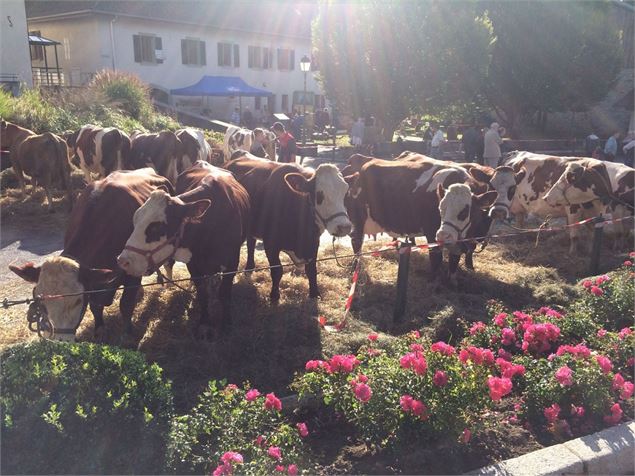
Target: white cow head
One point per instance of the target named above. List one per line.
(579, 184)
(327, 189)
(60, 275)
(460, 209)
(504, 182)
(158, 228)
(268, 140)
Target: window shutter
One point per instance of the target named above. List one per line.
(220, 54)
(250, 56)
(279, 58)
(201, 52)
(291, 60)
(236, 56)
(158, 45)
(136, 42)
(184, 58)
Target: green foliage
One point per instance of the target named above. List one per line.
(224, 420)
(590, 389)
(549, 56)
(388, 59)
(382, 420)
(82, 408)
(112, 100)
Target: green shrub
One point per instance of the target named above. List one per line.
(229, 420)
(82, 408)
(608, 299)
(124, 90)
(406, 395)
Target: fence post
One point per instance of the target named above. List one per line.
(402, 281)
(598, 232)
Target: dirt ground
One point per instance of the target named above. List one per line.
(268, 343)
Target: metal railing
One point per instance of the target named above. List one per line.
(47, 76)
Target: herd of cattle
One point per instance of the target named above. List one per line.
(161, 200)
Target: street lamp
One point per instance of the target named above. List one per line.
(305, 66)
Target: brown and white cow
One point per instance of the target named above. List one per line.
(162, 151)
(596, 188)
(254, 142)
(400, 198)
(542, 172)
(99, 226)
(291, 208)
(195, 148)
(43, 157)
(204, 227)
(99, 150)
(503, 179)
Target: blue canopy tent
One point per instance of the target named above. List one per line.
(223, 86)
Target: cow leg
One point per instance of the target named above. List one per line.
(49, 199)
(357, 240)
(20, 176)
(129, 301)
(87, 176)
(276, 273)
(251, 248)
(202, 286)
(453, 265)
(98, 314)
(224, 296)
(469, 259)
(310, 269)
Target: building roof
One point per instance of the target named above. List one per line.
(281, 18)
(228, 86)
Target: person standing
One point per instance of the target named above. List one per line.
(436, 143)
(287, 147)
(235, 117)
(470, 141)
(248, 118)
(357, 133)
(591, 143)
(629, 152)
(610, 148)
(369, 136)
(492, 142)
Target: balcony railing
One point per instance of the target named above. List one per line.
(47, 76)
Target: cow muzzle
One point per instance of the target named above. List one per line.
(499, 211)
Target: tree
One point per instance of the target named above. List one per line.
(391, 58)
(549, 56)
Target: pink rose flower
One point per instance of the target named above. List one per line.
(343, 363)
(628, 263)
(615, 416)
(406, 403)
(440, 378)
(625, 332)
(601, 332)
(223, 469)
(292, 470)
(415, 334)
(503, 354)
(232, 457)
(279, 468)
(563, 376)
(499, 387)
(272, 402)
(252, 394)
(443, 348)
(362, 392)
(587, 283)
(627, 390)
(415, 361)
(466, 436)
(312, 365)
(477, 327)
(419, 409)
(275, 453)
(596, 291)
(551, 413)
(373, 336)
(618, 382)
(303, 430)
(508, 336)
(605, 363)
(577, 412)
(499, 319)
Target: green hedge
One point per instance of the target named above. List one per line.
(82, 409)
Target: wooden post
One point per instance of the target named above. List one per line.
(598, 232)
(402, 281)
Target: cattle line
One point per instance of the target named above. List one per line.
(395, 245)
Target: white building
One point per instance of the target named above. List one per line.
(15, 63)
(173, 44)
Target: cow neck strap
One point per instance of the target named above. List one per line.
(175, 241)
(458, 230)
(325, 221)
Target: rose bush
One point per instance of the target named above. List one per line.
(236, 430)
(410, 392)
